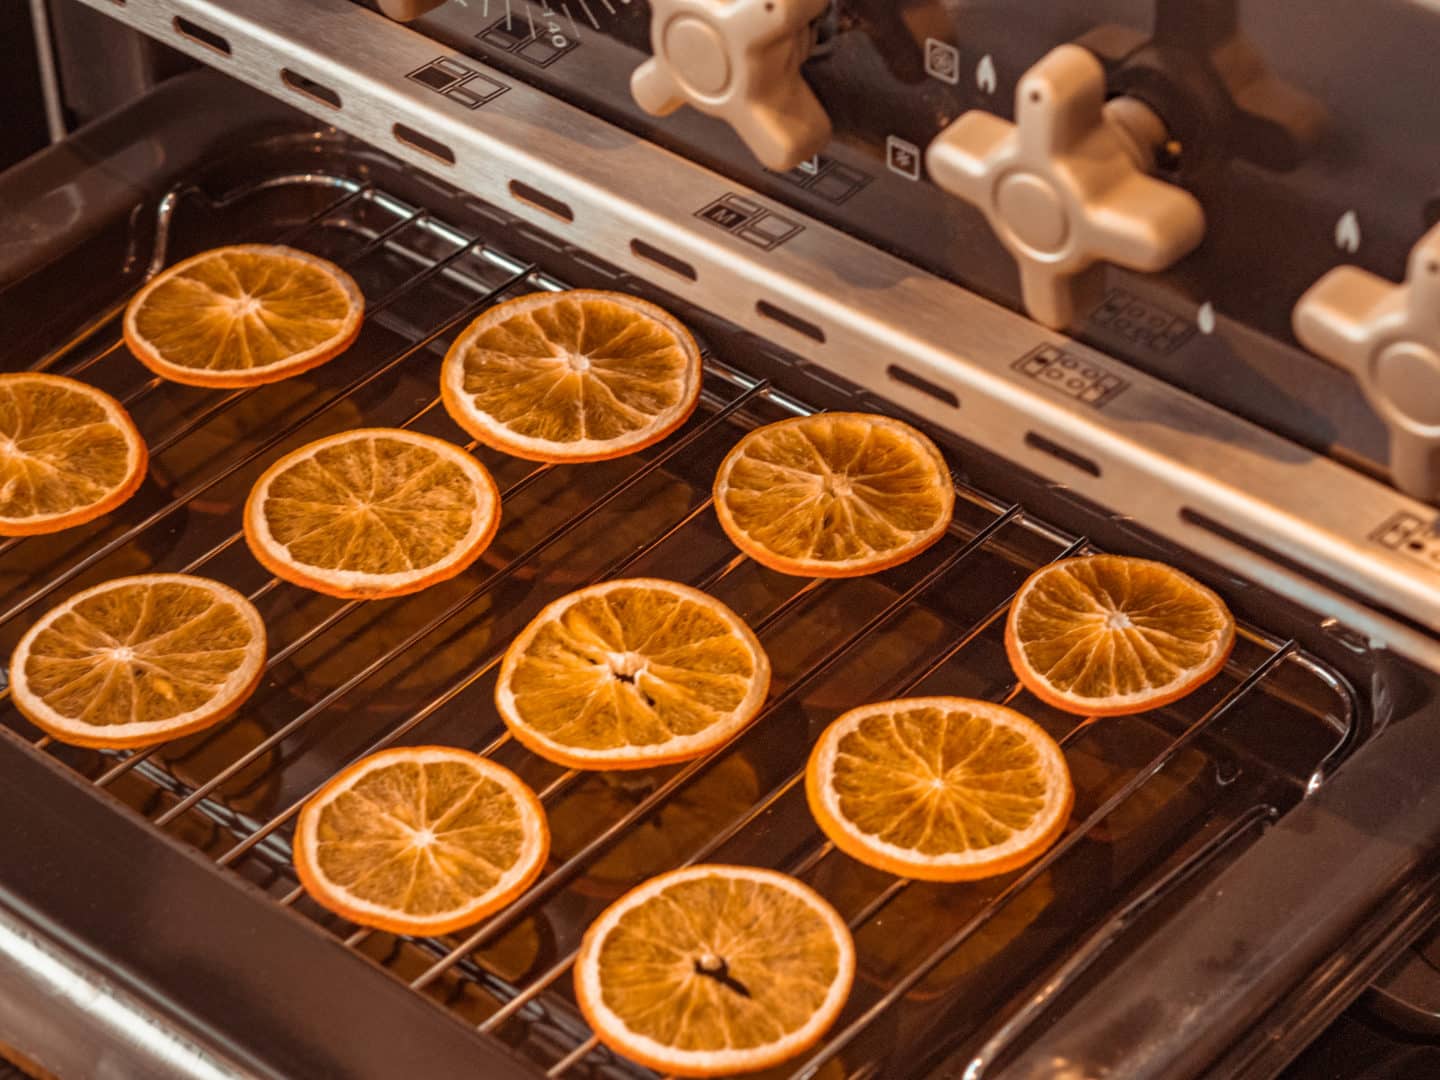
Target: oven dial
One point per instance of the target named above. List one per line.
(738, 60)
(1067, 185)
(1388, 337)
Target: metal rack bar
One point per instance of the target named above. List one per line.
(938, 955)
(897, 886)
(354, 386)
(312, 632)
(455, 690)
(1097, 943)
(565, 779)
(600, 842)
(454, 609)
(164, 210)
(199, 419)
(808, 861)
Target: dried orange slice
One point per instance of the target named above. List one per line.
(713, 970)
(583, 375)
(372, 513)
(139, 660)
(1105, 635)
(940, 789)
(68, 454)
(420, 840)
(629, 674)
(834, 495)
(243, 315)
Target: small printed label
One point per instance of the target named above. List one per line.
(1142, 322)
(985, 76)
(750, 221)
(1347, 232)
(902, 157)
(1413, 536)
(541, 40)
(1075, 376)
(942, 61)
(462, 85)
(826, 178)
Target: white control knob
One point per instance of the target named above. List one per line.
(738, 60)
(1388, 337)
(1066, 186)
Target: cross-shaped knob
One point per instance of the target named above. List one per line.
(1388, 337)
(1066, 187)
(738, 60)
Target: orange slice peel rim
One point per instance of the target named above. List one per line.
(680, 748)
(227, 699)
(516, 878)
(480, 424)
(970, 864)
(137, 463)
(293, 364)
(613, 1031)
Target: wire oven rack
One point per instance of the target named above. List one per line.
(1162, 799)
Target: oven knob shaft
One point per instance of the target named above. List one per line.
(1066, 187)
(738, 60)
(1388, 337)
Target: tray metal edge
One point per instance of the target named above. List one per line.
(206, 969)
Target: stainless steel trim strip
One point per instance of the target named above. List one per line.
(49, 77)
(1159, 451)
(74, 1021)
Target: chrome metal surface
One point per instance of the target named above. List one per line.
(49, 79)
(1268, 509)
(75, 1021)
(1161, 798)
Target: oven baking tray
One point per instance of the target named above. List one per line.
(1165, 802)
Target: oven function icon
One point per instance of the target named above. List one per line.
(1411, 535)
(460, 84)
(942, 61)
(1076, 376)
(827, 178)
(902, 157)
(750, 221)
(540, 43)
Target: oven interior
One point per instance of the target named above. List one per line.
(1164, 801)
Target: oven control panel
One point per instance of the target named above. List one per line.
(1276, 154)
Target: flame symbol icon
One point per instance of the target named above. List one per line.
(985, 77)
(1205, 318)
(1347, 232)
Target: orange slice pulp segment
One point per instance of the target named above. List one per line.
(713, 970)
(420, 840)
(68, 454)
(1104, 635)
(583, 375)
(243, 315)
(941, 789)
(834, 495)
